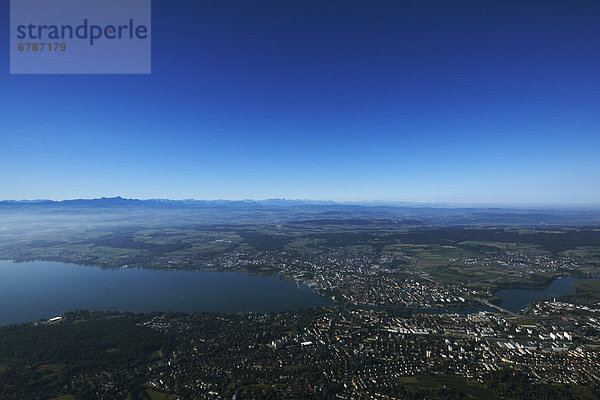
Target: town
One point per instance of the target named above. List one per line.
(413, 315)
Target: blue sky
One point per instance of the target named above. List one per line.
(460, 102)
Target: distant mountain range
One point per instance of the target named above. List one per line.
(117, 201)
(119, 210)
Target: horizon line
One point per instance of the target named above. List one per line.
(375, 202)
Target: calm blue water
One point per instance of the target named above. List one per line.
(40, 289)
(517, 299)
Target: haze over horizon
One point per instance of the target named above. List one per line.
(432, 204)
(466, 102)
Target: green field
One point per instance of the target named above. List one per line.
(587, 288)
(154, 395)
(469, 388)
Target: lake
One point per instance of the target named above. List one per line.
(517, 299)
(41, 289)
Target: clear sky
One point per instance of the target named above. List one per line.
(446, 101)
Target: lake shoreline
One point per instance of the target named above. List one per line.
(36, 290)
(518, 299)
